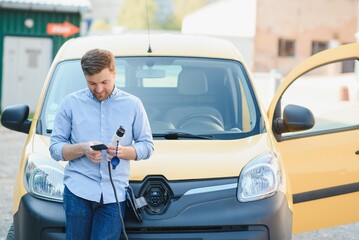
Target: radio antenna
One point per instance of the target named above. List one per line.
(149, 50)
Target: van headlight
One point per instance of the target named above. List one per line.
(260, 178)
(44, 178)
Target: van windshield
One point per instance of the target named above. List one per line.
(184, 97)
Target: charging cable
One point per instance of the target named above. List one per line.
(114, 162)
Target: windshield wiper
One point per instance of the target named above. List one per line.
(177, 135)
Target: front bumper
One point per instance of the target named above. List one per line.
(39, 219)
(205, 216)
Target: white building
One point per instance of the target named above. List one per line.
(234, 20)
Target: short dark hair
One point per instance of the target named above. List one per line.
(96, 60)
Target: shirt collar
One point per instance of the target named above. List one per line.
(114, 92)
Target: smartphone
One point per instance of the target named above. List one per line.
(99, 147)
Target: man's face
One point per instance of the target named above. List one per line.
(101, 84)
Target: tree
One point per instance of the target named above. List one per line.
(183, 8)
(133, 14)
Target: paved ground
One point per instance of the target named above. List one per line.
(11, 144)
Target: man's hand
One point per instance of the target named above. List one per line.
(93, 155)
(74, 151)
(111, 151)
(123, 152)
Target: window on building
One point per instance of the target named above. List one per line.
(286, 48)
(348, 66)
(318, 46)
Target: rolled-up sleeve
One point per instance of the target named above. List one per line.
(142, 134)
(60, 133)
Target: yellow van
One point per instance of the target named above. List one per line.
(223, 168)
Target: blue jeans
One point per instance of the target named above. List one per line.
(91, 220)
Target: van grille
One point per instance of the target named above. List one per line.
(186, 229)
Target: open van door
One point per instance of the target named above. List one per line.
(322, 162)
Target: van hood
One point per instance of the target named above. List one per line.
(190, 159)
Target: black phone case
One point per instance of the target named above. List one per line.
(99, 147)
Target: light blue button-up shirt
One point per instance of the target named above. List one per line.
(82, 118)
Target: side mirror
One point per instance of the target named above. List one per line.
(16, 118)
(295, 118)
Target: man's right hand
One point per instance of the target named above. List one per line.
(93, 155)
(74, 151)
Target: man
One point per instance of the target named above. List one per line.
(91, 116)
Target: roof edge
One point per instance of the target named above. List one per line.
(45, 7)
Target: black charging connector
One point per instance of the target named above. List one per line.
(117, 137)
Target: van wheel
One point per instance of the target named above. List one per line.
(11, 233)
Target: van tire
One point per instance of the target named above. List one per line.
(11, 233)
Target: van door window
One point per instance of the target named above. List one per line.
(330, 94)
